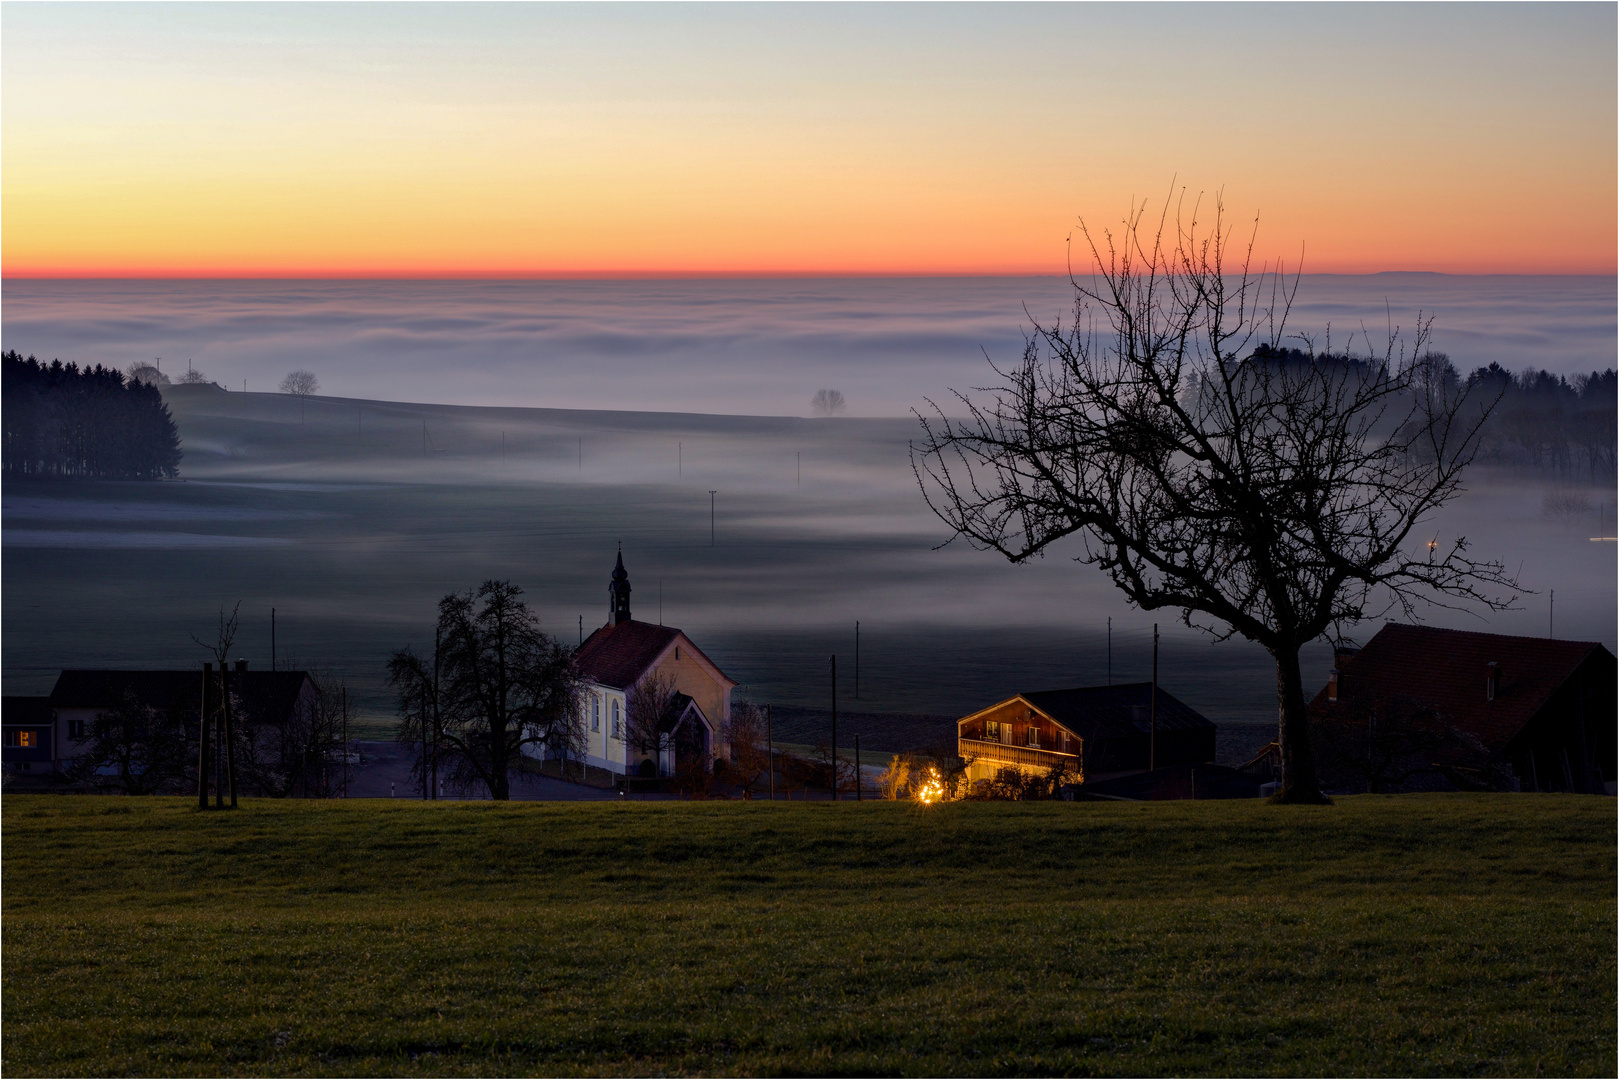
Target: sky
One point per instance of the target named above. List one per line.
(517, 140)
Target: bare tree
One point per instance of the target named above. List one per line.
(750, 748)
(221, 699)
(829, 403)
(137, 749)
(1277, 499)
(301, 383)
(193, 377)
(141, 371)
(495, 685)
(649, 716)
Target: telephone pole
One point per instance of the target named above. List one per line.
(834, 727)
(1152, 731)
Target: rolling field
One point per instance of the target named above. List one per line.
(1386, 935)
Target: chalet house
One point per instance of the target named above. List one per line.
(624, 653)
(1094, 731)
(1422, 708)
(43, 734)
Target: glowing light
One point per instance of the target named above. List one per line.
(931, 789)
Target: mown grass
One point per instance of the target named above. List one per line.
(1401, 935)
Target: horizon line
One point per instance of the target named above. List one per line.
(784, 275)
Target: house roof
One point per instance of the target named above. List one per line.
(32, 711)
(619, 655)
(1111, 712)
(267, 695)
(1445, 670)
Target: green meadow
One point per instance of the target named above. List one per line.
(1411, 935)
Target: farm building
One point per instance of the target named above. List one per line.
(1423, 708)
(1094, 732)
(44, 734)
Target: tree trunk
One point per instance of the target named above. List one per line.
(499, 783)
(1299, 782)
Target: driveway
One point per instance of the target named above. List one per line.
(384, 773)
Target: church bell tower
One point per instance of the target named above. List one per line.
(618, 594)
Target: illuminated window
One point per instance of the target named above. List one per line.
(1034, 735)
(22, 738)
(992, 730)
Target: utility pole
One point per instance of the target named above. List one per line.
(770, 756)
(799, 454)
(581, 629)
(502, 449)
(272, 639)
(230, 733)
(581, 455)
(202, 739)
(680, 459)
(437, 715)
(857, 659)
(710, 517)
(345, 741)
(834, 727)
(1110, 650)
(424, 438)
(1551, 616)
(1152, 730)
(424, 744)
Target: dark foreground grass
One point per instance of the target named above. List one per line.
(1412, 935)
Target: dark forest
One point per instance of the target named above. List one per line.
(90, 423)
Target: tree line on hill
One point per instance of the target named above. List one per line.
(64, 421)
(1536, 421)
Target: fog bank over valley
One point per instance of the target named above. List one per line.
(352, 517)
(759, 347)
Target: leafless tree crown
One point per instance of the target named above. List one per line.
(1265, 491)
(829, 403)
(302, 383)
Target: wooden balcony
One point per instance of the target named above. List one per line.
(1007, 754)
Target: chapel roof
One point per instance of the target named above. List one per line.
(619, 655)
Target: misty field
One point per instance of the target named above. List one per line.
(1386, 935)
(351, 518)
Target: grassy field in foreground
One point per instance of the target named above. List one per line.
(1385, 935)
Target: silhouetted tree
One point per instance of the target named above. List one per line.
(64, 421)
(302, 383)
(1275, 500)
(828, 403)
(495, 685)
(139, 750)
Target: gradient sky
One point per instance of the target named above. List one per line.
(561, 140)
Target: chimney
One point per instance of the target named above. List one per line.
(1332, 685)
(241, 666)
(1492, 677)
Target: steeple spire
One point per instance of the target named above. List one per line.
(618, 593)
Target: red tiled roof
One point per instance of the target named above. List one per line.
(620, 655)
(1445, 670)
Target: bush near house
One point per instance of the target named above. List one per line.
(1408, 935)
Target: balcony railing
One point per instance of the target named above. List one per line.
(1008, 754)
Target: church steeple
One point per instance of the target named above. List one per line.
(618, 594)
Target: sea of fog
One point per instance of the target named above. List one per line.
(759, 347)
(555, 420)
